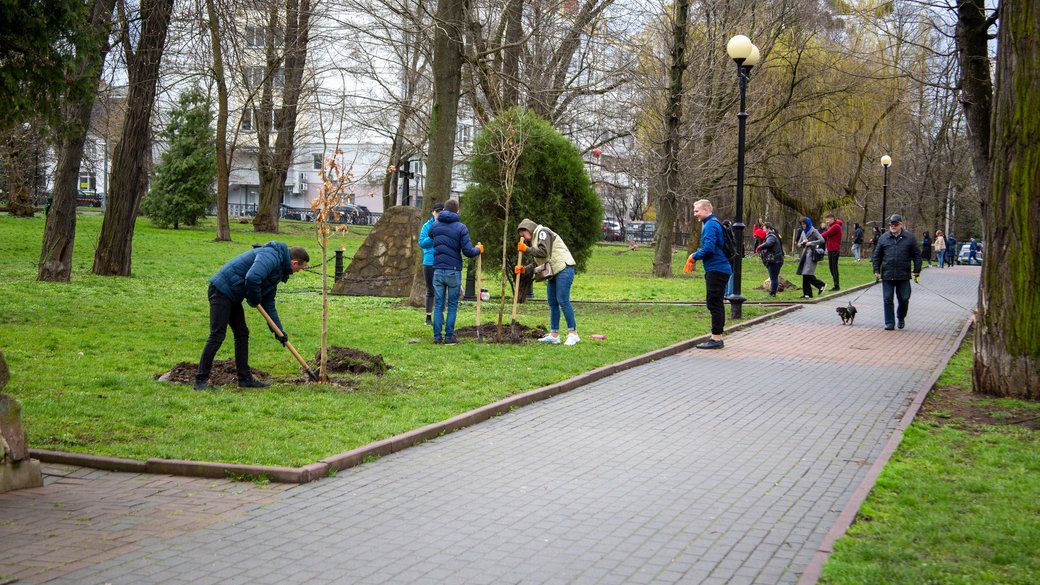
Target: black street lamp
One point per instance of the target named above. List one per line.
(746, 55)
(886, 161)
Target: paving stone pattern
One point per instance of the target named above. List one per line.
(707, 467)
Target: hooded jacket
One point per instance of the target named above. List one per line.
(426, 243)
(893, 255)
(254, 276)
(712, 258)
(450, 241)
(832, 235)
(546, 246)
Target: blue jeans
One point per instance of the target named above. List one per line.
(445, 283)
(729, 287)
(558, 293)
(774, 277)
(901, 290)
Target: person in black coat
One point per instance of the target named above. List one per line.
(896, 250)
(926, 248)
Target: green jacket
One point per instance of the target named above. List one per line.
(546, 246)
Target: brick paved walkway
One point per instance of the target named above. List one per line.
(705, 467)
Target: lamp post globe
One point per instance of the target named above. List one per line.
(746, 55)
(886, 161)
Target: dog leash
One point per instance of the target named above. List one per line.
(945, 298)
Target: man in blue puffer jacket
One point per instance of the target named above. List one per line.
(716, 270)
(253, 277)
(450, 241)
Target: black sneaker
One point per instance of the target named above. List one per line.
(429, 320)
(834, 289)
(438, 341)
(711, 344)
(451, 341)
(252, 383)
(901, 323)
(820, 289)
(204, 386)
(889, 327)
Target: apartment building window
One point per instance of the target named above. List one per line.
(255, 36)
(247, 120)
(464, 136)
(255, 76)
(317, 161)
(87, 181)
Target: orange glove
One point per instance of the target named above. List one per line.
(480, 247)
(690, 263)
(518, 269)
(521, 246)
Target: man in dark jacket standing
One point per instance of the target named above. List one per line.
(893, 255)
(716, 270)
(254, 277)
(450, 241)
(857, 242)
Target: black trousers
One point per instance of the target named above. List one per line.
(832, 263)
(716, 284)
(809, 281)
(222, 313)
(427, 272)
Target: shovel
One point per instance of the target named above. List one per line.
(270, 323)
(516, 295)
(480, 293)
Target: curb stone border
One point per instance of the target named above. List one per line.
(355, 457)
(811, 574)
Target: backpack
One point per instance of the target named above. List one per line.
(729, 241)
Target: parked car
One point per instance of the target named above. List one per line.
(88, 198)
(611, 231)
(964, 252)
(640, 231)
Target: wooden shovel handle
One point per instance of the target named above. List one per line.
(278, 331)
(479, 291)
(516, 285)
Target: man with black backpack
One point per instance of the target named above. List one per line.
(717, 269)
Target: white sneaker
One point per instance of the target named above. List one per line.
(572, 339)
(550, 339)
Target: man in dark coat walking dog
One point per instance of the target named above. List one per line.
(896, 250)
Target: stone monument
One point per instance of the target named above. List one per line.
(385, 264)
(17, 469)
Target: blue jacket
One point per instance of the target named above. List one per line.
(426, 243)
(450, 240)
(710, 253)
(253, 276)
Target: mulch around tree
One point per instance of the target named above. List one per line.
(341, 360)
(489, 332)
(961, 408)
(223, 372)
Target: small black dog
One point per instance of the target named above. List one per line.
(847, 314)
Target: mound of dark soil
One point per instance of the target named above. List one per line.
(962, 408)
(223, 372)
(352, 360)
(489, 332)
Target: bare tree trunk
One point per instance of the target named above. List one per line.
(447, 84)
(1007, 336)
(976, 85)
(666, 197)
(514, 15)
(223, 168)
(59, 235)
(129, 177)
(297, 35)
(20, 159)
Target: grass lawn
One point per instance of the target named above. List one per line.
(959, 503)
(83, 354)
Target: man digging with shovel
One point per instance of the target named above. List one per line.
(254, 277)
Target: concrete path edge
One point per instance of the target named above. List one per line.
(811, 574)
(355, 457)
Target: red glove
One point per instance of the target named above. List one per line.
(518, 269)
(690, 262)
(480, 247)
(521, 246)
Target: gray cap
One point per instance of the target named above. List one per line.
(896, 218)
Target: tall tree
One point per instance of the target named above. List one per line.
(1007, 336)
(214, 23)
(59, 235)
(275, 160)
(667, 186)
(129, 177)
(182, 190)
(40, 42)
